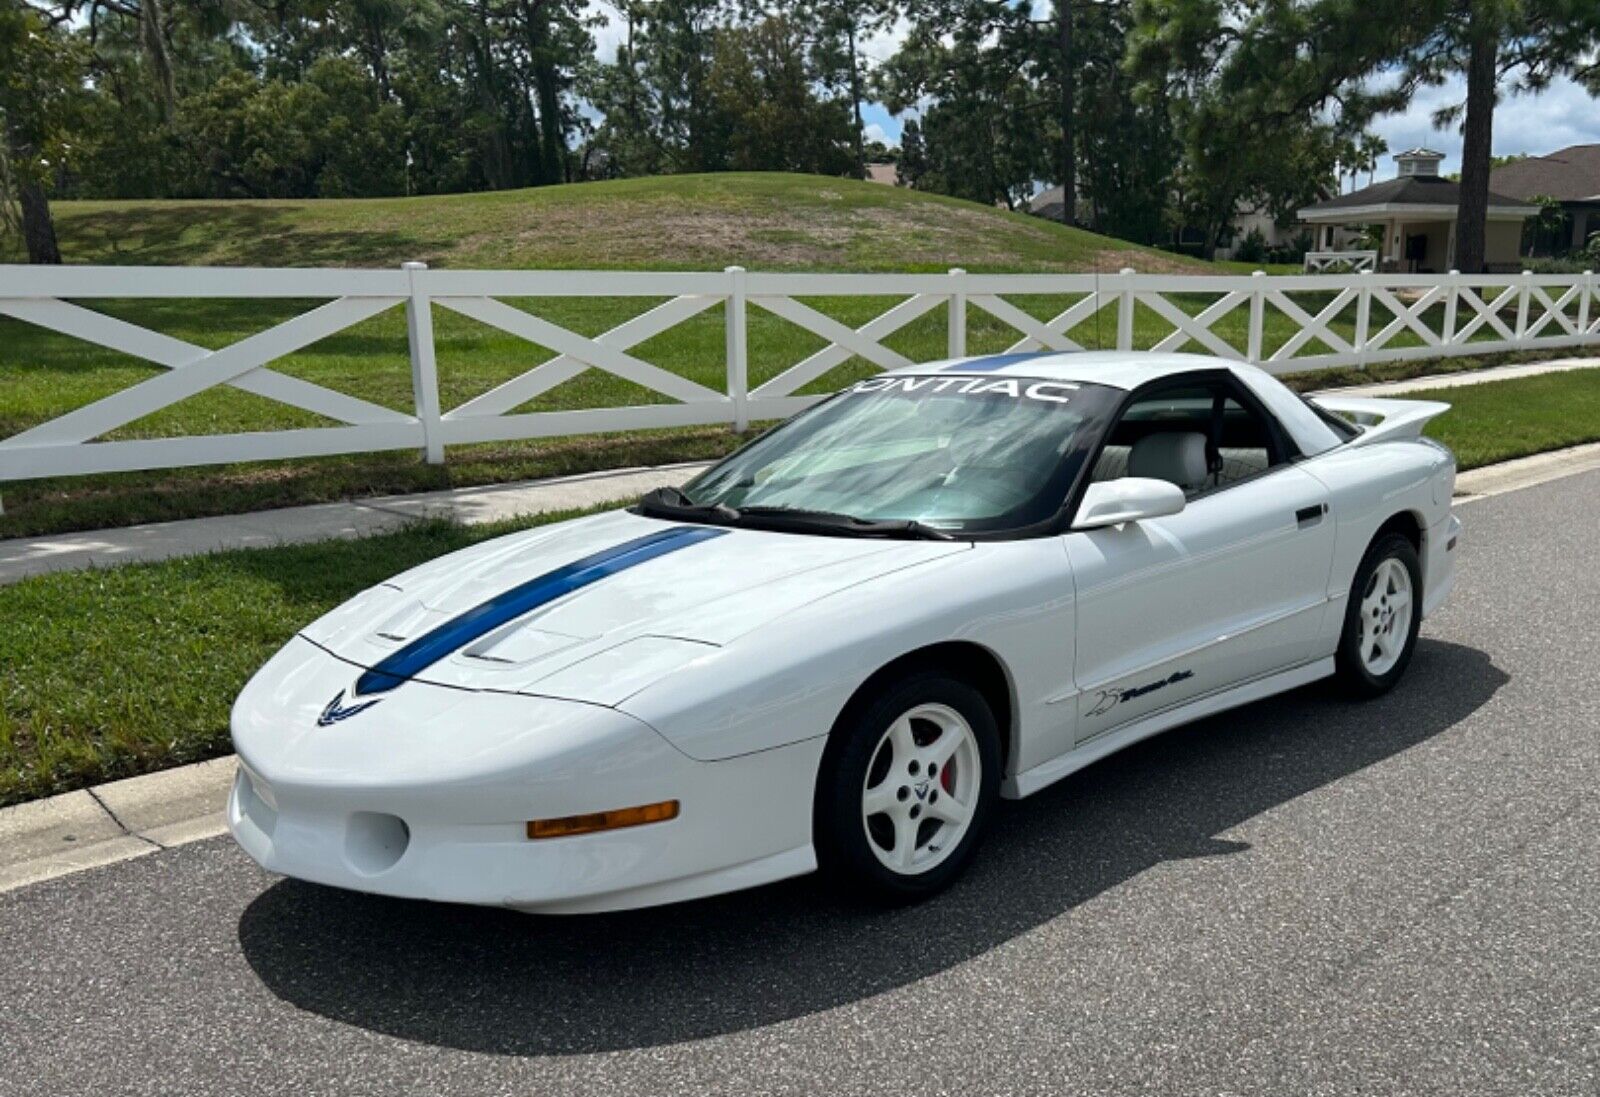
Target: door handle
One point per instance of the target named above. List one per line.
(1310, 516)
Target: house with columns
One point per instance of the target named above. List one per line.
(1417, 214)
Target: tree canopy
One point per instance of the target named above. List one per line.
(1338, 63)
(1155, 117)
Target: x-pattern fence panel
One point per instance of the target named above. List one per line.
(1284, 324)
(1341, 262)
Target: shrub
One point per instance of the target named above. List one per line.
(1253, 248)
(1565, 264)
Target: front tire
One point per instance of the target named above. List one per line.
(906, 786)
(1381, 620)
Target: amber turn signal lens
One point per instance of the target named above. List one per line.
(603, 820)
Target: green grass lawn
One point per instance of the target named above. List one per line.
(1502, 420)
(765, 221)
(109, 673)
(761, 220)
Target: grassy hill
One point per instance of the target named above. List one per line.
(764, 221)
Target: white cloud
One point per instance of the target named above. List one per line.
(874, 132)
(609, 35)
(1564, 114)
(882, 45)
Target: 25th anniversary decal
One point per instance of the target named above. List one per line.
(1108, 699)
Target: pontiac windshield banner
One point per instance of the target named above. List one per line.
(1054, 392)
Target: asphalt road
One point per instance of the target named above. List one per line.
(1306, 896)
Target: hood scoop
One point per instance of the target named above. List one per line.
(519, 644)
(511, 645)
(407, 623)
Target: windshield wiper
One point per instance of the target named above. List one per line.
(671, 503)
(847, 523)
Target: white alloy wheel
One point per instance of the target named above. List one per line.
(1386, 609)
(921, 789)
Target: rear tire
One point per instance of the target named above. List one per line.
(905, 789)
(1382, 616)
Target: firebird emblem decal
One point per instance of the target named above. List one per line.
(332, 714)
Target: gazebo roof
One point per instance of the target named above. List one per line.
(1406, 194)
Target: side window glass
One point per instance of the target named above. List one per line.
(1186, 409)
(1200, 437)
(1245, 448)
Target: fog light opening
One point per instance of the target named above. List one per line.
(253, 802)
(570, 825)
(373, 842)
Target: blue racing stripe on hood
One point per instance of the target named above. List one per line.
(479, 621)
(997, 361)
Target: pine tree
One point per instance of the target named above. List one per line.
(1278, 61)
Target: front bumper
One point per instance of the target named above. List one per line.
(427, 795)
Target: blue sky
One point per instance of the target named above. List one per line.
(1564, 114)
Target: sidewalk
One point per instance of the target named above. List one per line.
(27, 556)
(1468, 377)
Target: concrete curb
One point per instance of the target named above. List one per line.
(1525, 472)
(113, 822)
(124, 819)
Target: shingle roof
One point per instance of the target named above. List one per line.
(1407, 190)
(883, 173)
(1570, 174)
(1050, 196)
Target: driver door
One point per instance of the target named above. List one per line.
(1230, 589)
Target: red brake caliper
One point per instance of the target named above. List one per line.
(947, 779)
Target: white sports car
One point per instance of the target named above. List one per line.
(838, 646)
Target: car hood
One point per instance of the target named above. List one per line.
(615, 634)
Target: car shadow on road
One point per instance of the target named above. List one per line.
(497, 981)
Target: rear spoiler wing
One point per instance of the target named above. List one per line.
(1382, 420)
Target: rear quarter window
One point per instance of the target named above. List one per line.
(1341, 426)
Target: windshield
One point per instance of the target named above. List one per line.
(954, 452)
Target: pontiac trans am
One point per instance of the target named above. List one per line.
(840, 645)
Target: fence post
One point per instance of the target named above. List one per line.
(1522, 306)
(424, 370)
(738, 350)
(1258, 318)
(1125, 310)
(1363, 320)
(1449, 335)
(956, 344)
(1583, 308)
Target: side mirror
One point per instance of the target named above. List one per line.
(1130, 499)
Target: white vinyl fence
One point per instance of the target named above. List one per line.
(1395, 316)
(1341, 262)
